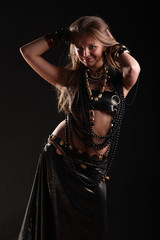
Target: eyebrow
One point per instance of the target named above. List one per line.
(79, 45)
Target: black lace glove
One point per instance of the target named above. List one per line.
(59, 36)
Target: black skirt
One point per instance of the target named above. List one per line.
(60, 206)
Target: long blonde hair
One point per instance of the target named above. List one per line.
(97, 28)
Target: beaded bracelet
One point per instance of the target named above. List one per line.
(117, 50)
(57, 37)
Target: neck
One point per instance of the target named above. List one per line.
(97, 67)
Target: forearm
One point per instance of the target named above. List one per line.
(41, 45)
(34, 48)
(32, 54)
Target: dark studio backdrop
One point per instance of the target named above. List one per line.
(28, 112)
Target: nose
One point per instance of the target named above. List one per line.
(86, 52)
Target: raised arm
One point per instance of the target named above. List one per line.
(129, 66)
(32, 54)
(130, 71)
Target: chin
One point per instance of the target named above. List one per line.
(90, 64)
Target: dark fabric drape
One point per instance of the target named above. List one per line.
(59, 207)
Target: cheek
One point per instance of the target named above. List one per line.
(98, 54)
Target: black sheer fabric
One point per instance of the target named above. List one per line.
(59, 207)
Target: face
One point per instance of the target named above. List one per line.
(90, 52)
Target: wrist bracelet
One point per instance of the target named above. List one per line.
(117, 50)
(57, 37)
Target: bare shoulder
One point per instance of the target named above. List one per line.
(60, 130)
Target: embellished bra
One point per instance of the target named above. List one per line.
(108, 102)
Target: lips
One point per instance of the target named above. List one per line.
(88, 59)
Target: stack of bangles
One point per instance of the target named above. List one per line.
(64, 35)
(117, 50)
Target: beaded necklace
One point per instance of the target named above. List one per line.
(110, 140)
(96, 76)
(105, 76)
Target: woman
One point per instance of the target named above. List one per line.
(69, 194)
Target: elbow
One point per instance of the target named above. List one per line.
(23, 51)
(130, 75)
(26, 51)
(134, 71)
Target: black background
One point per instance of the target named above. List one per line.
(28, 112)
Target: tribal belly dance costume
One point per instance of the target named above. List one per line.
(69, 195)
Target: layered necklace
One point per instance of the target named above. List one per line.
(97, 77)
(90, 138)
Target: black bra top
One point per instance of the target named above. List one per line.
(108, 102)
